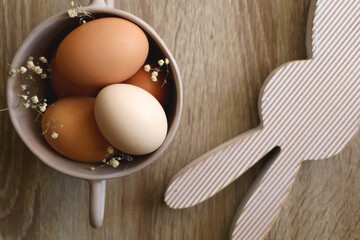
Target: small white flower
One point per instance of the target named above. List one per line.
(110, 150)
(154, 73)
(35, 99)
(73, 13)
(23, 87)
(24, 97)
(92, 169)
(13, 71)
(167, 61)
(147, 68)
(83, 21)
(30, 64)
(43, 59)
(54, 135)
(153, 78)
(38, 70)
(26, 105)
(43, 76)
(23, 70)
(104, 160)
(161, 62)
(42, 108)
(114, 163)
(72, 3)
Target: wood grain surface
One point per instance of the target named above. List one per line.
(225, 50)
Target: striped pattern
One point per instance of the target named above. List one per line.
(311, 109)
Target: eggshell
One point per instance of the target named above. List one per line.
(130, 118)
(102, 52)
(64, 88)
(80, 138)
(143, 80)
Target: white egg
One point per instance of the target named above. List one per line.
(130, 118)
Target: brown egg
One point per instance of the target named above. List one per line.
(159, 90)
(102, 52)
(64, 88)
(80, 138)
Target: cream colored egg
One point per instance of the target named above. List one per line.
(130, 118)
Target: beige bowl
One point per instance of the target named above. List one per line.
(43, 41)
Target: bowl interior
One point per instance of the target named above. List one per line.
(43, 41)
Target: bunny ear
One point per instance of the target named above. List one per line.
(334, 25)
(216, 169)
(263, 203)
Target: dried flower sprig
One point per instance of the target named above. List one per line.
(163, 66)
(33, 72)
(113, 158)
(53, 124)
(78, 11)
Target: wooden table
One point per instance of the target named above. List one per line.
(225, 50)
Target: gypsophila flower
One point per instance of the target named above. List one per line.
(161, 62)
(72, 13)
(114, 163)
(42, 108)
(38, 70)
(92, 169)
(25, 101)
(30, 64)
(153, 78)
(26, 105)
(110, 150)
(43, 59)
(13, 71)
(156, 70)
(54, 135)
(147, 68)
(23, 70)
(34, 99)
(78, 11)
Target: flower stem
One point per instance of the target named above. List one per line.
(6, 109)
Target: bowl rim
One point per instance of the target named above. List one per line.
(18, 60)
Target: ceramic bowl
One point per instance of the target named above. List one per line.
(43, 40)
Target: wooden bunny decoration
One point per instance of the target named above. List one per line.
(310, 109)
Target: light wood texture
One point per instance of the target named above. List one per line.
(225, 50)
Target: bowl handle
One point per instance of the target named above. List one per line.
(102, 3)
(97, 202)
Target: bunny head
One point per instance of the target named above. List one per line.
(313, 106)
